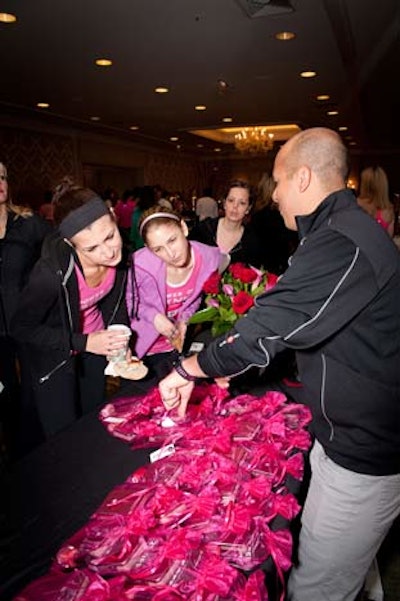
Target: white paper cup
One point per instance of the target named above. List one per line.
(123, 329)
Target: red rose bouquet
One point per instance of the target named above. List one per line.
(231, 295)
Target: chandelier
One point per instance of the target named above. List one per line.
(254, 140)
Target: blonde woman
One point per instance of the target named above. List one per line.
(21, 236)
(374, 197)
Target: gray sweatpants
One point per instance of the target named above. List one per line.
(345, 519)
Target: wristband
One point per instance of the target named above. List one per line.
(178, 367)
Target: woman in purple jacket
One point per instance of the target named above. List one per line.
(165, 283)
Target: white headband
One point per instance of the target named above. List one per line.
(154, 216)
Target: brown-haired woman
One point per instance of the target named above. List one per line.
(230, 232)
(76, 289)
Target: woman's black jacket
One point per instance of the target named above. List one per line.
(47, 320)
(247, 250)
(19, 250)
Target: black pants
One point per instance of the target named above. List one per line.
(9, 396)
(70, 392)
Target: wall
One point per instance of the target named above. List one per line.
(38, 155)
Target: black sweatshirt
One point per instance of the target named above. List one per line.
(338, 306)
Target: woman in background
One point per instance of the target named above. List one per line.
(278, 243)
(230, 232)
(374, 197)
(165, 286)
(21, 236)
(144, 200)
(76, 290)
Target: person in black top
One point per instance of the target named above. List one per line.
(279, 243)
(21, 236)
(230, 232)
(76, 289)
(338, 306)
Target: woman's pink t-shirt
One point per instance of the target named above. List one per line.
(177, 294)
(90, 314)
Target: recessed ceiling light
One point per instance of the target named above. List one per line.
(332, 113)
(94, 118)
(178, 146)
(343, 128)
(103, 62)
(308, 74)
(161, 90)
(217, 150)
(200, 145)
(227, 119)
(174, 139)
(323, 97)
(43, 105)
(285, 36)
(222, 84)
(134, 127)
(7, 18)
(353, 143)
(200, 107)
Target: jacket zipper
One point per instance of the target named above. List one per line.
(323, 407)
(64, 281)
(48, 375)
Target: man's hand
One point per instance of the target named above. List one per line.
(175, 392)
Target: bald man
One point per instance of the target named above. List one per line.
(338, 306)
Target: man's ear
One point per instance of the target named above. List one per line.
(303, 178)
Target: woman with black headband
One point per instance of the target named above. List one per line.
(75, 291)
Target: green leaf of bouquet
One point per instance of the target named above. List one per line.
(227, 315)
(258, 290)
(207, 314)
(220, 327)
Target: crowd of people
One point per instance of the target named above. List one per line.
(141, 261)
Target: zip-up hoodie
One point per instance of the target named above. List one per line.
(338, 306)
(146, 292)
(47, 318)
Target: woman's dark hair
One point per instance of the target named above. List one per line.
(70, 200)
(68, 197)
(240, 183)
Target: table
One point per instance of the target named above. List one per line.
(51, 493)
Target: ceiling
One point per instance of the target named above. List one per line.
(191, 46)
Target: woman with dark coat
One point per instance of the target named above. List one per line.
(231, 233)
(76, 290)
(21, 236)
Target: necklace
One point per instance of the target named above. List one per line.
(228, 237)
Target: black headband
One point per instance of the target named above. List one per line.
(77, 220)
